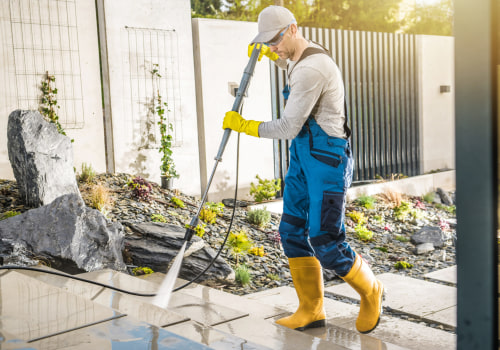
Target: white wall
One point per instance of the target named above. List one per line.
(22, 67)
(437, 110)
(167, 29)
(220, 58)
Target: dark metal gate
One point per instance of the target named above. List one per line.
(379, 71)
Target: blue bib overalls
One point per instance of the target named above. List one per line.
(318, 177)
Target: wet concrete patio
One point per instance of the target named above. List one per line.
(42, 311)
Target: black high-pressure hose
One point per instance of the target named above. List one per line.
(28, 268)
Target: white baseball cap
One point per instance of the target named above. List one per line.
(272, 19)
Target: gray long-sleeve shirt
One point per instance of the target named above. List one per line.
(316, 88)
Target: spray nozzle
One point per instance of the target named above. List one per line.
(190, 230)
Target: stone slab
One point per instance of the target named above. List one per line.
(404, 333)
(122, 302)
(123, 333)
(396, 331)
(285, 298)
(274, 336)
(212, 337)
(411, 296)
(447, 317)
(448, 275)
(204, 312)
(32, 309)
(215, 296)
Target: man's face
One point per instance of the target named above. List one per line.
(281, 43)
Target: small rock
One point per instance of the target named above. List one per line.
(445, 197)
(229, 202)
(429, 234)
(424, 248)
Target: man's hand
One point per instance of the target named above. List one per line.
(234, 121)
(264, 51)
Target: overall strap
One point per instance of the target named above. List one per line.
(312, 51)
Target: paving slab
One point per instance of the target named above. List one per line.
(411, 296)
(123, 333)
(124, 303)
(285, 298)
(204, 312)
(404, 333)
(212, 337)
(274, 336)
(212, 295)
(396, 331)
(270, 334)
(31, 309)
(448, 275)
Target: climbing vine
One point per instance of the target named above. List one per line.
(167, 166)
(48, 102)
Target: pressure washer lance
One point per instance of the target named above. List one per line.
(162, 298)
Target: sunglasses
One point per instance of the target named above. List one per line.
(277, 39)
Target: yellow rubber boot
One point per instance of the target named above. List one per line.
(371, 291)
(308, 281)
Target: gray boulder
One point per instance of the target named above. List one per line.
(429, 234)
(41, 158)
(69, 234)
(156, 244)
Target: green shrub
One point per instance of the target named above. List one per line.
(402, 238)
(402, 211)
(378, 218)
(403, 265)
(177, 202)
(138, 271)
(239, 242)
(257, 251)
(242, 275)
(273, 276)
(417, 214)
(199, 229)
(265, 189)
(158, 218)
(208, 216)
(428, 197)
(450, 209)
(259, 217)
(366, 201)
(382, 249)
(215, 207)
(363, 233)
(8, 214)
(88, 174)
(357, 217)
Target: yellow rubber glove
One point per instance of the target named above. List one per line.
(265, 51)
(234, 121)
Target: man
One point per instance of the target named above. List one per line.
(320, 172)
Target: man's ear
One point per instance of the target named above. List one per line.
(293, 29)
